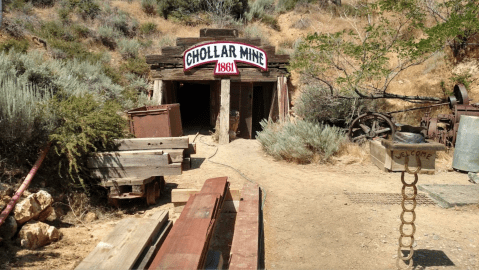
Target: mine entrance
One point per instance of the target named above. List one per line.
(194, 99)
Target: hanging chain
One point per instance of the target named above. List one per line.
(411, 199)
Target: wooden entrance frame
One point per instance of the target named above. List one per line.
(167, 68)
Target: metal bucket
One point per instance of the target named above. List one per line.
(466, 154)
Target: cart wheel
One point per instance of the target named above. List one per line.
(114, 202)
(151, 193)
(369, 126)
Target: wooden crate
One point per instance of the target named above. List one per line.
(393, 160)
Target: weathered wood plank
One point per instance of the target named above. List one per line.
(186, 163)
(127, 181)
(129, 153)
(149, 255)
(121, 248)
(224, 137)
(187, 243)
(218, 32)
(105, 173)
(188, 42)
(119, 160)
(181, 195)
(172, 51)
(152, 143)
(176, 155)
(245, 246)
(191, 150)
(207, 74)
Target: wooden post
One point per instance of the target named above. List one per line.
(224, 137)
(279, 88)
(158, 90)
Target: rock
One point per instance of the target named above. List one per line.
(8, 228)
(32, 207)
(91, 216)
(473, 177)
(35, 234)
(45, 214)
(4, 200)
(56, 214)
(5, 190)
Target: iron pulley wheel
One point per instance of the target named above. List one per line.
(370, 125)
(460, 93)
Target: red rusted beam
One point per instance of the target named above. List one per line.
(187, 243)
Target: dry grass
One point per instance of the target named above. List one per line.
(444, 160)
(351, 153)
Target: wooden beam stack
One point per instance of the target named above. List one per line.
(143, 158)
(187, 244)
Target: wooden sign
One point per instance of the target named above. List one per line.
(225, 55)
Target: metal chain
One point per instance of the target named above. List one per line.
(410, 223)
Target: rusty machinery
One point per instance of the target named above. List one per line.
(442, 128)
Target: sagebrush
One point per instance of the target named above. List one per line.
(300, 141)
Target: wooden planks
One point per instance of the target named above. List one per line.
(152, 143)
(207, 74)
(245, 246)
(194, 41)
(138, 171)
(218, 32)
(122, 247)
(187, 243)
(132, 159)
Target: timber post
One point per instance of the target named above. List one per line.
(224, 137)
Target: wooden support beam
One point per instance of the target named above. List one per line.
(224, 137)
(158, 89)
(188, 42)
(245, 246)
(153, 143)
(120, 160)
(139, 171)
(218, 32)
(207, 74)
(122, 247)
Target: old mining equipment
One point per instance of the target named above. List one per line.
(443, 128)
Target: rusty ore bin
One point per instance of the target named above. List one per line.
(156, 121)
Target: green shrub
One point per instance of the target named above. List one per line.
(149, 6)
(148, 28)
(129, 48)
(43, 3)
(121, 22)
(13, 28)
(183, 9)
(136, 66)
(88, 9)
(300, 141)
(259, 8)
(107, 36)
(85, 125)
(15, 45)
(20, 106)
(75, 50)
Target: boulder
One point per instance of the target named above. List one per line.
(8, 228)
(5, 195)
(35, 234)
(33, 206)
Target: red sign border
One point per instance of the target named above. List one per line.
(216, 61)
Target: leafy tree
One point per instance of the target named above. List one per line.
(364, 61)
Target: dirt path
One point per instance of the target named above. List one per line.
(309, 221)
